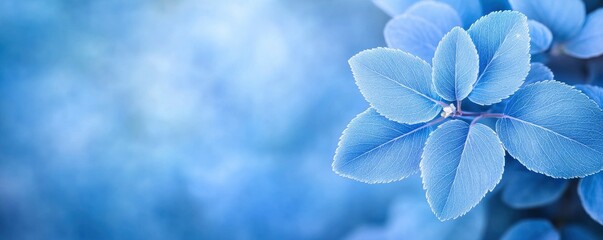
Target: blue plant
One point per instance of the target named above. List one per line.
(418, 119)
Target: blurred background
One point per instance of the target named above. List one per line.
(182, 119)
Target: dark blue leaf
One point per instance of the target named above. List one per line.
(593, 92)
(495, 5)
(439, 14)
(590, 191)
(460, 164)
(397, 84)
(588, 42)
(538, 72)
(563, 17)
(533, 229)
(554, 129)
(526, 189)
(455, 65)
(540, 37)
(576, 232)
(503, 42)
(469, 10)
(373, 149)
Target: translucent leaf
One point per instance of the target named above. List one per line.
(414, 35)
(554, 129)
(397, 84)
(394, 7)
(576, 232)
(469, 10)
(503, 42)
(533, 229)
(538, 72)
(540, 37)
(455, 65)
(563, 17)
(588, 42)
(460, 164)
(526, 189)
(590, 191)
(439, 14)
(593, 92)
(373, 149)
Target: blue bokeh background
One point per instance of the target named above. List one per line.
(182, 119)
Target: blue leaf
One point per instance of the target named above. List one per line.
(526, 189)
(397, 84)
(593, 92)
(455, 65)
(563, 17)
(495, 5)
(394, 7)
(503, 43)
(373, 149)
(414, 35)
(538, 72)
(576, 232)
(590, 191)
(554, 129)
(439, 14)
(588, 42)
(460, 164)
(469, 10)
(533, 229)
(540, 37)
(595, 70)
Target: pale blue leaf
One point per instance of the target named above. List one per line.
(563, 17)
(394, 7)
(469, 10)
(533, 229)
(439, 14)
(590, 191)
(593, 92)
(460, 164)
(554, 129)
(540, 37)
(576, 232)
(374, 149)
(527, 189)
(397, 84)
(538, 72)
(414, 35)
(588, 42)
(503, 44)
(455, 65)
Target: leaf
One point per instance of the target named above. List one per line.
(460, 164)
(503, 43)
(593, 92)
(554, 129)
(538, 72)
(533, 229)
(397, 84)
(455, 65)
(595, 70)
(527, 189)
(469, 10)
(373, 149)
(414, 35)
(563, 17)
(540, 37)
(394, 7)
(576, 232)
(495, 5)
(439, 14)
(590, 191)
(587, 43)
